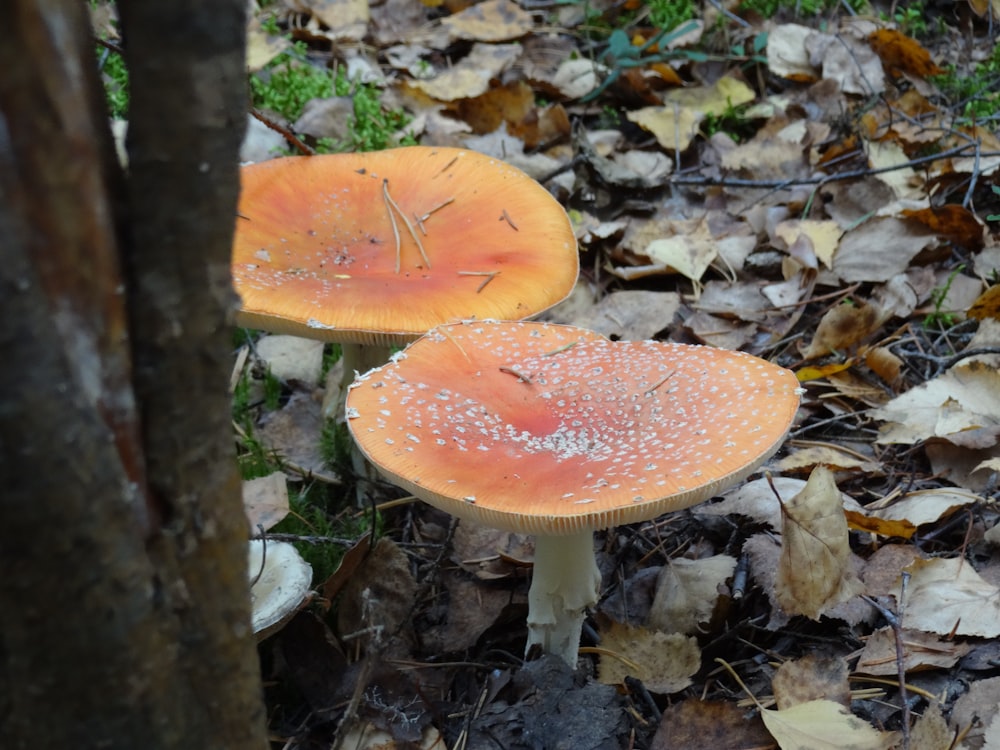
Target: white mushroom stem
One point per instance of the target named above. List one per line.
(359, 358)
(565, 581)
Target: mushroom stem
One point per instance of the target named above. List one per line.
(565, 581)
(358, 358)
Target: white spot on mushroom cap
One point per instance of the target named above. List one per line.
(648, 414)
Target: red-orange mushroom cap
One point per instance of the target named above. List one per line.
(554, 430)
(377, 248)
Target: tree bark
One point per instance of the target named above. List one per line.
(124, 605)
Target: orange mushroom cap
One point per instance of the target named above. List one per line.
(553, 429)
(377, 248)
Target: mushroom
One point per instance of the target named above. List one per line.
(371, 250)
(558, 431)
(279, 584)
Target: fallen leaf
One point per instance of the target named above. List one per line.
(960, 406)
(925, 506)
(843, 327)
(903, 54)
(823, 236)
(265, 500)
(920, 651)
(849, 60)
(948, 596)
(687, 591)
(719, 725)
(346, 19)
(471, 75)
(898, 241)
(814, 573)
(955, 222)
(811, 677)
(857, 521)
(787, 54)
(824, 725)
(675, 124)
(987, 305)
(490, 21)
(665, 662)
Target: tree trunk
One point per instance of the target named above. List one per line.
(124, 606)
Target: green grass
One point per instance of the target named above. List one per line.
(667, 15)
(290, 81)
(768, 8)
(115, 78)
(976, 93)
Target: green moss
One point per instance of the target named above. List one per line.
(289, 82)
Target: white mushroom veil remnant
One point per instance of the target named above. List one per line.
(558, 431)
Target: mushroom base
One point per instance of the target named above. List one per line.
(565, 581)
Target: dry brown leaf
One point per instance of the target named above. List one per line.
(903, 54)
(687, 591)
(823, 236)
(262, 46)
(719, 725)
(377, 600)
(665, 662)
(675, 124)
(787, 53)
(843, 328)
(884, 363)
(834, 457)
(756, 500)
(813, 677)
(920, 651)
(470, 76)
(949, 596)
(955, 222)
(982, 7)
(848, 60)
(628, 315)
(346, 19)
(898, 242)
(973, 712)
(987, 305)
(490, 21)
(925, 506)
(860, 522)
(960, 406)
(814, 573)
(930, 731)
(824, 725)
(265, 500)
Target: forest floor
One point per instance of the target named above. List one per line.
(811, 183)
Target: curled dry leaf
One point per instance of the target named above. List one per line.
(814, 573)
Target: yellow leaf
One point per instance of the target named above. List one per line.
(824, 725)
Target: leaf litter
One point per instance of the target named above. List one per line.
(805, 191)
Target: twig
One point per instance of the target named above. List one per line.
(286, 133)
(406, 222)
(895, 622)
